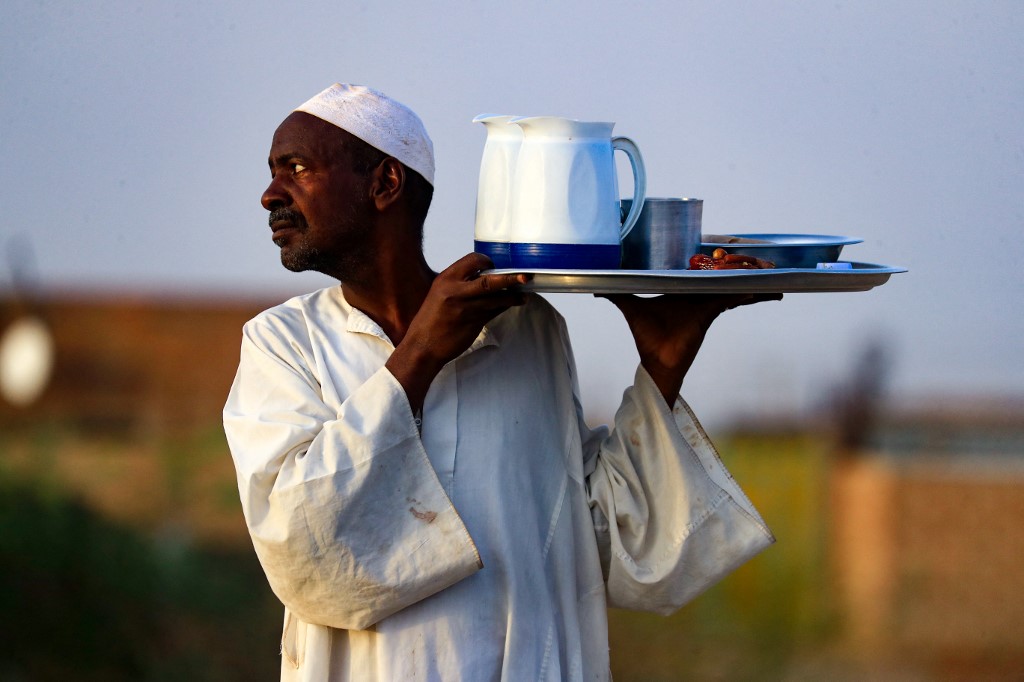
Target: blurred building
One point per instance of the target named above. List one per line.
(926, 506)
(128, 364)
(927, 536)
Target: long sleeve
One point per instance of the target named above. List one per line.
(670, 520)
(351, 509)
(345, 511)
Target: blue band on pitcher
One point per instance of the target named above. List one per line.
(496, 251)
(531, 256)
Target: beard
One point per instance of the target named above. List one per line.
(297, 254)
(300, 256)
(344, 254)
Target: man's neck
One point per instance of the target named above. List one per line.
(393, 295)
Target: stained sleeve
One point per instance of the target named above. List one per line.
(670, 519)
(345, 511)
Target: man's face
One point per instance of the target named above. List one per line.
(319, 206)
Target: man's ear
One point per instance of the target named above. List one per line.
(387, 183)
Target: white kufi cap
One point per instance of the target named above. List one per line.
(378, 120)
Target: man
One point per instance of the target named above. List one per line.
(413, 464)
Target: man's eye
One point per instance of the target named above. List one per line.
(298, 168)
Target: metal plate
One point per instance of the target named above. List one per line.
(789, 239)
(861, 277)
(787, 250)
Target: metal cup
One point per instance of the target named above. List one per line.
(666, 235)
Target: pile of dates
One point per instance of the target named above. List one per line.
(720, 259)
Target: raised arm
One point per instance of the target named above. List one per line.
(669, 330)
(345, 510)
(460, 302)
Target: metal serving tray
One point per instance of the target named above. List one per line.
(860, 277)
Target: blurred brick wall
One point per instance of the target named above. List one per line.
(928, 552)
(130, 363)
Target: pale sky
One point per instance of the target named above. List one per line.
(134, 139)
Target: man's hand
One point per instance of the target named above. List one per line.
(460, 302)
(669, 330)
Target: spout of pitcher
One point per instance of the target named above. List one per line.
(568, 127)
(493, 118)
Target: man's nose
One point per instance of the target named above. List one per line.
(274, 196)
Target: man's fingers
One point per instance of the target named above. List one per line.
(503, 281)
(714, 304)
(754, 298)
(469, 265)
(618, 300)
(469, 268)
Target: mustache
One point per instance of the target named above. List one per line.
(288, 215)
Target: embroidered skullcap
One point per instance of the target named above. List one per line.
(378, 120)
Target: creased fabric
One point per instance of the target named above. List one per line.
(490, 546)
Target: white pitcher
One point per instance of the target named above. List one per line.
(565, 196)
(494, 191)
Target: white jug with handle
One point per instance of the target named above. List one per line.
(494, 191)
(565, 195)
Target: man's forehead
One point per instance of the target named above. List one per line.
(302, 132)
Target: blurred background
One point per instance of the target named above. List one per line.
(881, 433)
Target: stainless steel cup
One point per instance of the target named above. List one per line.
(666, 235)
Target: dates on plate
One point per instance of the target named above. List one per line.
(720, 259)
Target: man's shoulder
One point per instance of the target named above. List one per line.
(537, 316)
(297, 312)
(540, 308)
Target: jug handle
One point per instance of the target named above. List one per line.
(636, 161)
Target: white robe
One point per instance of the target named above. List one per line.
(490, 545)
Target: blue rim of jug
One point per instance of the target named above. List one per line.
(534, 256)
(496, 251)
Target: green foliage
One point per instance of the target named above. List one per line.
(84, 599)
(753, 624)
